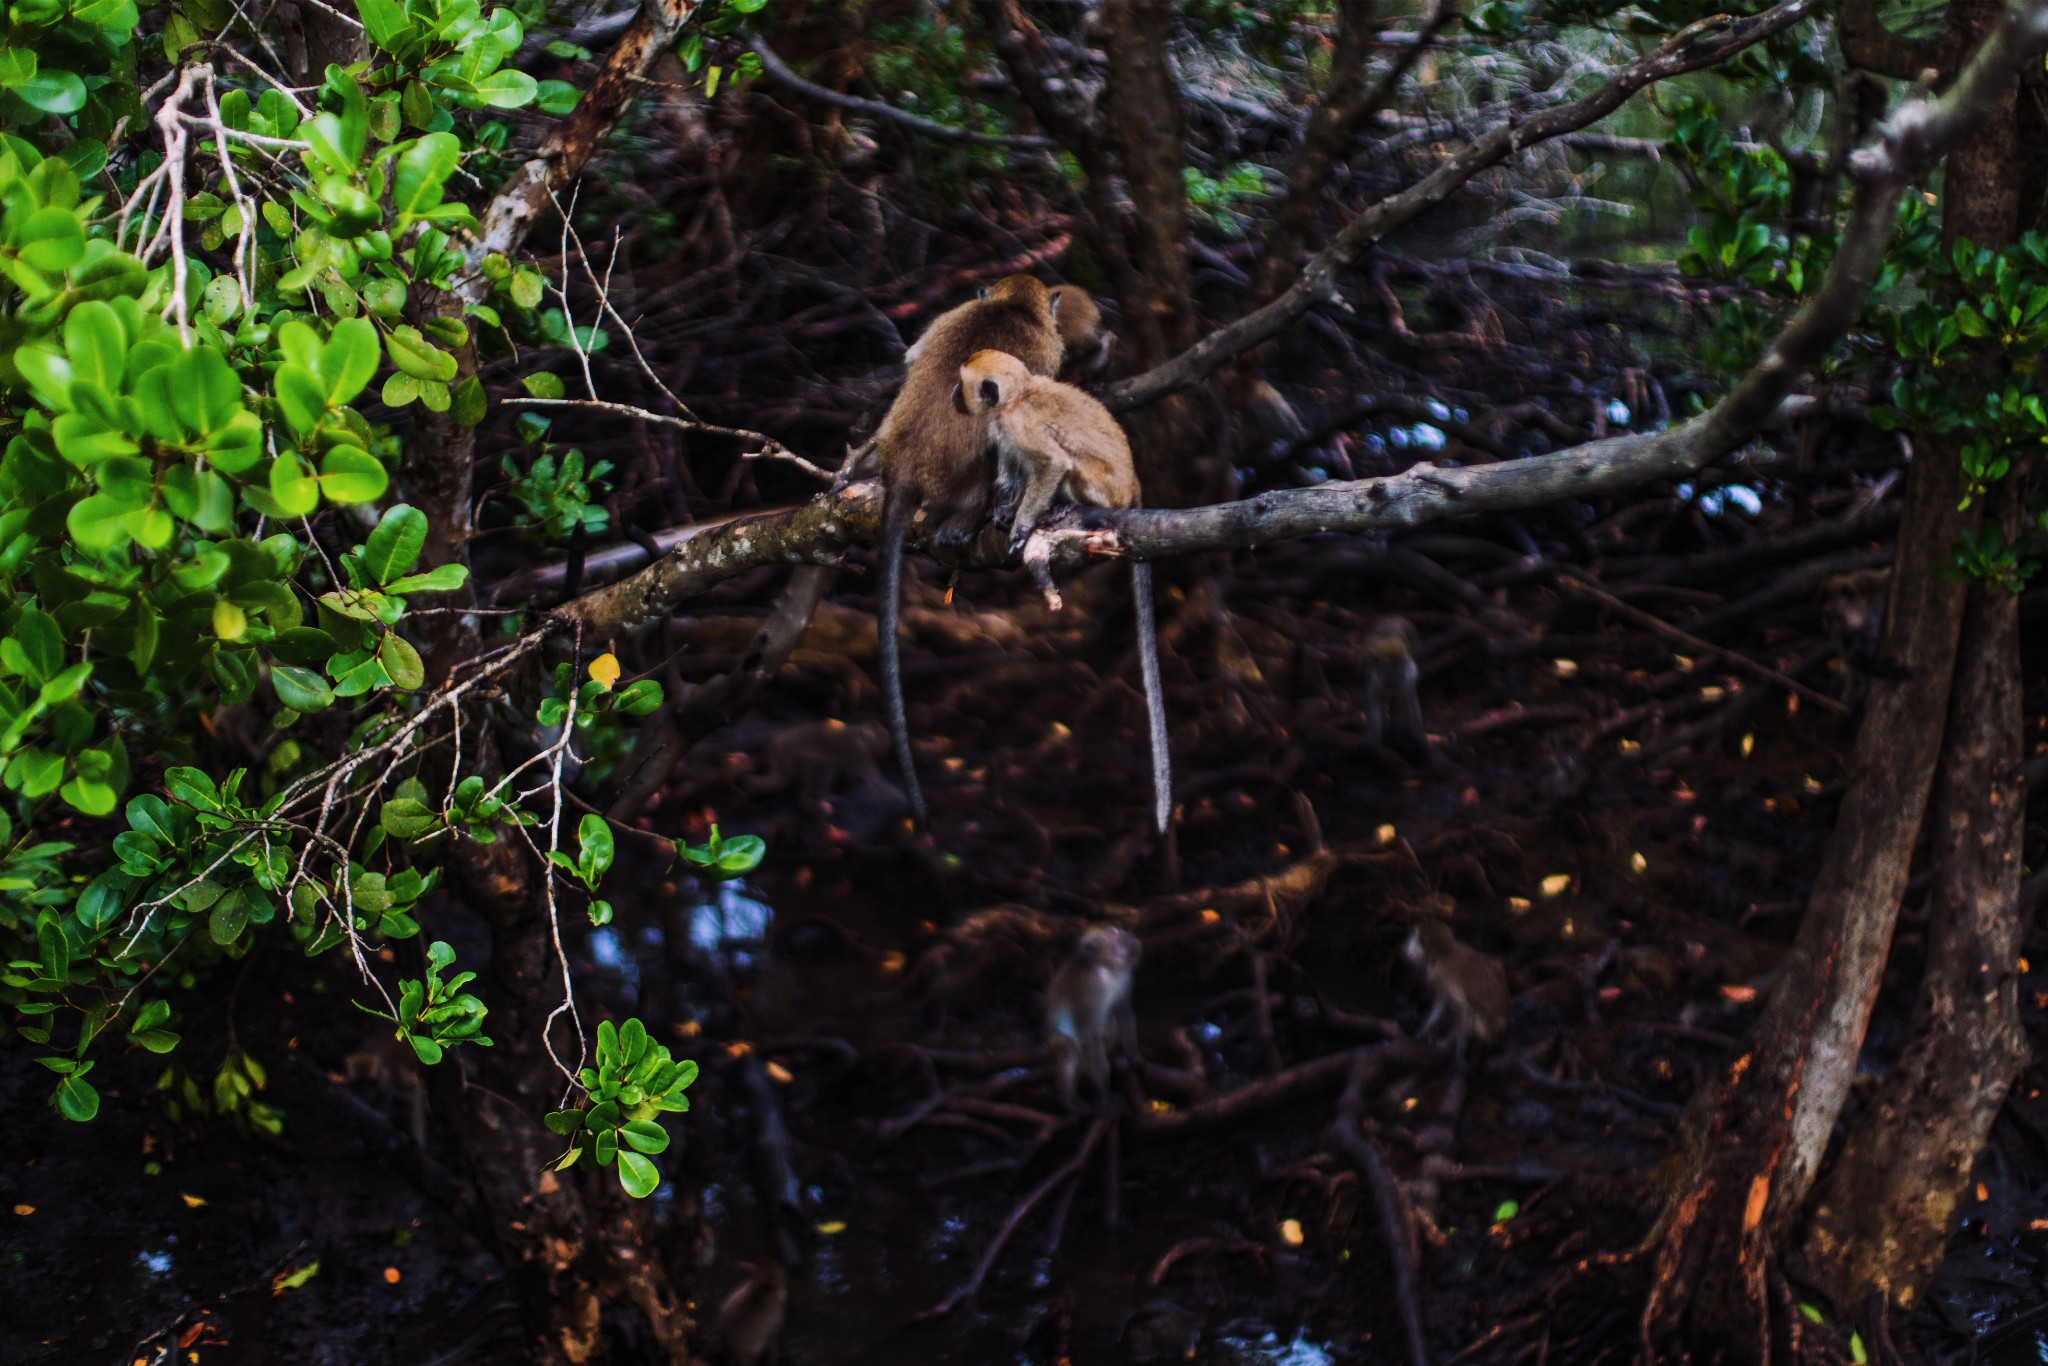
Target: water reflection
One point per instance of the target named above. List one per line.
(1268, 1350)
(733, 916)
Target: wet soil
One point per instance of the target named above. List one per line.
(1638, 898)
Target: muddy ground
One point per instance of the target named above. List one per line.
(1639, 878)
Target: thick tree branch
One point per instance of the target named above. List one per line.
(570, 146)
(779, 71)
(1867, 43)
(819, 532)
(1318, 282)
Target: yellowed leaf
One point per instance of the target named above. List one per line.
(605, 669)
(1290, 1232)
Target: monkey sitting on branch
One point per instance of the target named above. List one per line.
(1088, 1010)
(1393, 713)
(1052, 441)
(935, 458)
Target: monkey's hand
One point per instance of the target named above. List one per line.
(1037, 554)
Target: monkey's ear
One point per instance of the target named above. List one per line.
(981, 291)
(991, 393)
(1052, 307)
(959, 399)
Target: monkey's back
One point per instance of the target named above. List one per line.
(1487, 984)
(928, 445)
(1090, 442)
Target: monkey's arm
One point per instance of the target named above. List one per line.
(1047, 470)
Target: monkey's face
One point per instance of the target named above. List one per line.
(1110, 948)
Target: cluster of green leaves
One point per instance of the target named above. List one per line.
(633, 1083)
(723, 859)
(553, 497)
(592, 860)
(1955, 339)
(232, 1095)
(435, 1015)
(182, 438)
(1218, 200)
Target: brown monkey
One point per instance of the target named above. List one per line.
(751, 1318)
(1050, 439)
(1468, 986)
(388, 1063)
(1088, 343)
(1853, 607)
(814, 758)
(1393, 714)
(1089, 999)
(934, 456)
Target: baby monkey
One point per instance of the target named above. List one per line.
(1051, 439)
(1087, 342)
(1853, 607)
(751, 1318)
(1393, 714)
(1469, 987)
(1090, 996)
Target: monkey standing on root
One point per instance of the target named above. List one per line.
(1468, 986)
(1393, 714)
(1052, 439)
(814, 758)
(751, 1318)
(1853, 607)
(934, 456)
(1090, 997)
(389, 1065)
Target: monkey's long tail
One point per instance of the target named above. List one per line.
(896, 511)
(1155, 695)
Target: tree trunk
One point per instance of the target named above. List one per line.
(1751, 1145)
(1748, 1145)
(1175, 447)
(1881, 1221)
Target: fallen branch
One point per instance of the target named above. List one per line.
(1283, 1088)
(1396, 1215)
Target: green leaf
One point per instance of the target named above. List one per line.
(78, 1102)
(644, 1135)
(741, 855)
(301, 689)
(413, 354)
(467, 405)
(563, 1122)
(442, 578)
(543, 384)
(395, 545)
(422, 172)
(507, 89)
(300, 398)
(406, 818)
(349, 474)
(349, 359)
(54, 92)
(402, 662)
(638, 1175)
(230, 916)
(594, 836)
(292, 485)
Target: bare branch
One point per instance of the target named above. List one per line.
(1318, 282)
(570, 146)
(931, 128)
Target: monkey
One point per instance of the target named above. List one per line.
(751, 1318)
(1088, 343)
(934, 457)
(1051, 438)
(1468, 986)
(1090, 996)
(1389, 658)
(1853, 607)
(813, 759)
(388, 1063)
